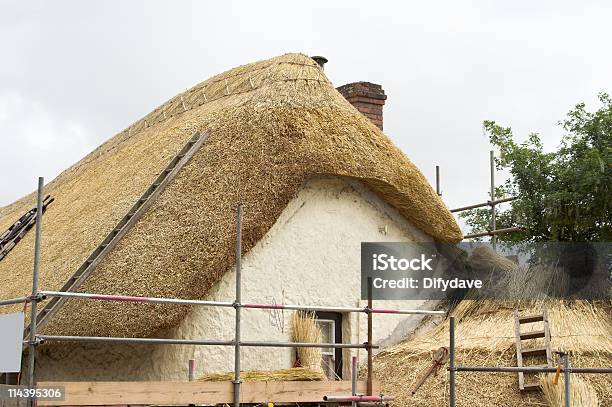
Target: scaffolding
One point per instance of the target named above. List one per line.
(492, 203)
(33, 339)
(567, 370)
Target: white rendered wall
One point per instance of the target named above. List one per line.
(310, 256)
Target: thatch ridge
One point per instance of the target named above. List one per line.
(273, 125)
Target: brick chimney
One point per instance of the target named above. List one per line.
(368, 98)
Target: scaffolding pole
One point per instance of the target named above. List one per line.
(18, 300)
(531, 369)
(125, 298)
(370, 377)
(451, 361)
(354, 374)
(493, 221)
(237, 306)
(488, 203)
(33, 307)
(566, 375)
(200, 342)
(358, 398)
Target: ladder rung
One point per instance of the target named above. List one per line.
(531, 386)
(534, 351)
(531, 318)
(532, 335)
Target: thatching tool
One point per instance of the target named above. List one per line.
(559, 366)
(440, 358)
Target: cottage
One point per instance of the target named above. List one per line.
(315, 177)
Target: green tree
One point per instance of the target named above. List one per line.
(564, 195)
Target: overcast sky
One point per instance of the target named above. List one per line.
(74, 73)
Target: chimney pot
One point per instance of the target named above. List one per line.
(320, 60)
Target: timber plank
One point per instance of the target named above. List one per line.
(183, 393)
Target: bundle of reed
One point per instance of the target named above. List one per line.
(582, 393)
(293, 374)
(304, 328)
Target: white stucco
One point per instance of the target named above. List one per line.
(310, 256)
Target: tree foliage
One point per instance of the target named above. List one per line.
(564, 195)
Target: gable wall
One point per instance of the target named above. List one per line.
(311, 256)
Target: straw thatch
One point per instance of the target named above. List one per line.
(272, 126)
(581, 392)
(304, 328)
(485, 337)
(294, 374)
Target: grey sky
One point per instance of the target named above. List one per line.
(74, 73)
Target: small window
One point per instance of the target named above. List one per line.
(330, 324)
(328, 328)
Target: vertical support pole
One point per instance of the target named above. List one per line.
(493, 223)
(566, 374)
(438, 181)
(451, 361)
(354, 371)
(191, 370)
(370, 340)
(237, 306)
(34, 302)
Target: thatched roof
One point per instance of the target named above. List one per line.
(272, 125)
(485, 337)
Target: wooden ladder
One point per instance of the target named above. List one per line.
(530, 352)
(124, 225)
(17, 231)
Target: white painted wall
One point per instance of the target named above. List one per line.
(310, 256)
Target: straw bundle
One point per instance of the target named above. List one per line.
(295, 374)
(304, 328)
(581, 393)
(272, 126)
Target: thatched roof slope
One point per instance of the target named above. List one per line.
(485, 337)
(272, 125)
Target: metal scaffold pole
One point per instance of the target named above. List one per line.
(370, 340)
(493, 222)
(451, 361)
(566, 375)
(33, 306)
(237, 306)
(438, 181)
